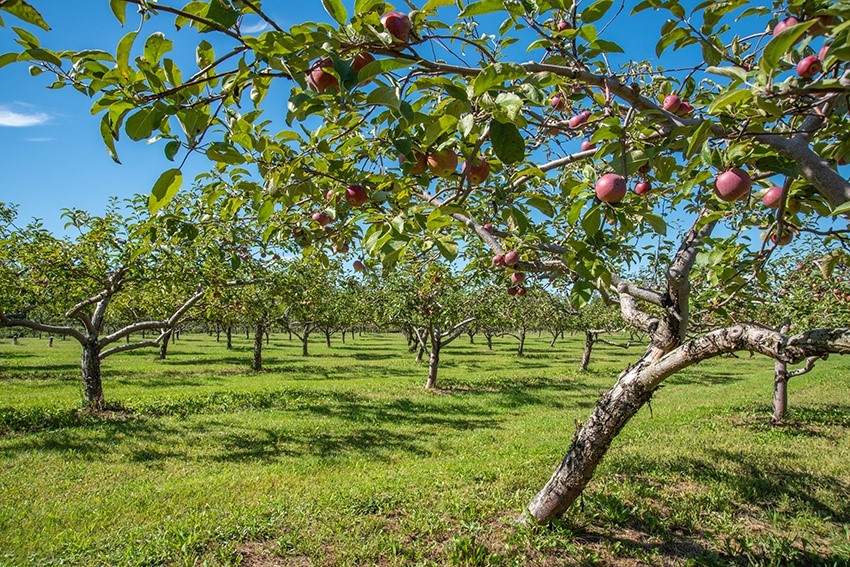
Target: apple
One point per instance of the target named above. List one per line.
(577, 120)
(558, 102)
(518, 277)
(358, 266)
(421, 164)
(784, 24)
(397, 24)
(645, 168)
(564, 25)
(322, 218)
(808, 67)
(442, 163)
(643, 188)
(783, 240)
(320, 80)
(476, 172)
(355, 195)
(671, 103)
(331, 195)
(511, 258)
(520, 291)
(489, 228)
(731, 185)
(341, 247)
(822, 53)
(587, 145)
(360, 60)
(610, 188)
(685, 108)
(498, 260)
(772, 197)
(512, 291)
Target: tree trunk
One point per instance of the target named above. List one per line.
(229, 334)
(92, 384)
(268, 336)
(471, 337)
(489, 341)
(328, 338)
(217, 334)
(521, 348)
(304, 344)
(258, 347)
(51, 341)
(780, 392)
(163, 346)
(433, 366)
(247, 333)
(343, 336)
(591, 441)
(420, 354)
(589, 340)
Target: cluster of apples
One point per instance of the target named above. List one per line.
(510, 259)
(673, 103)
(397, 24)
(443, 163)
(810, 65)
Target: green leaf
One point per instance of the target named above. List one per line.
(141, 125)
(733, 72)
(24, 11)
(494, 75)
(364, 6)
(508, 107)
(122, 54)
(729, 98)
(7, 58)
(782, 43)
(108, 138)
(336, 10)
(381, 66)
(508, 143)
(596, 10)
(385, 96)
(482, 7)
(119, 9)
(164, 189)
(657, 223)
(223, 152)
(265, 212)
(697, 139)
(156, 46)
(448, 248)
(841, 209)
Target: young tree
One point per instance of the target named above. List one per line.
(753, 101)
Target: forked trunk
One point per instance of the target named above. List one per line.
(471, 337)
(591, 441)
(780, 392)
(229, 333)
(489, 341)
(589, 340)
(433, 366)
(343, 336)
(163, 346)
(92, 384)
(258, 347)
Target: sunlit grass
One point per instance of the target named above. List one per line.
(343, 458)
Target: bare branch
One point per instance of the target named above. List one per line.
(36, 326)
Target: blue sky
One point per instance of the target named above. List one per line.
(52, 154)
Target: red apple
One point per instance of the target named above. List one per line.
(360, 60)
(643, 188)
(398, 24)
(341, 247)
(442, 163)
(520, 291)
(489, 228)
(322, 218)
(518, 277)
(577, 120)
(498, 260)
(610, 188)
(564, 25)
(558, 102)
(671, 103)
(645, 168)
(421, 164)
(785, 239)
(808, 67)
(732, 185)
(822, 53)
(358, 266)
(784, 24)
(772, 197)
(320, 80)
(685, 108)
(355, 195)
(437, 279)
(331, 195)
(587, 145)
(476, 172)
(512, 290)
(511, 258)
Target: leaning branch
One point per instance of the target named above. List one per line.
(36, 326)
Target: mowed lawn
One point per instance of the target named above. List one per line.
(342, 458)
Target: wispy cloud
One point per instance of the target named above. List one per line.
(259, 27)
(12, 119)
(38, 139)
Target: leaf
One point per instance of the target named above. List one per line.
(657, 223)
(841, 209)
(482, 7)
(732, 72)
(119, 9)
(448, 248)
(336, 10)
(508, 143)
(24, 11)
(164, 189)
(729, 98)
(265, 212)
(385, 96)
(108, 138)
(782, 43)
(508, 107)
(596, 10)
(382, 66)
(7, 58)
(122, 54)
(494, 75)
(697, 139)
(141, 125)
(156, 46)
(363, 6)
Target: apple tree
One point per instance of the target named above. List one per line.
(578, 165)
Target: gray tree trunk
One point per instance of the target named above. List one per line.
(780, 392)
(433, 367)
(258, 347)
(229, 334)
(163, 346)
(589, 340)
(92, 383)
(520, 351)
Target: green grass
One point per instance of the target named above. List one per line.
(342, 458)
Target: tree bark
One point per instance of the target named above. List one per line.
(258, 347)
(163, 346)
(780, 392)
(304, 343)
(589, 340)
(520, 351)
(471, 337)
(328, 338)
(92, 383)
(489, 341)
(229, 333)
(433, 366)
(420, 354)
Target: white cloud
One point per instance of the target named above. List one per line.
(14, 119)
(38, 139)
(259, 27)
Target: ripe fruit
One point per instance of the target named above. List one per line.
(358, 266)
(518, 277)
(822, 53)
(442, 163)
(421, 164)
(783, 240)
(360, 60)
(587, 145)
(578, 119)
(732, 185)
(520, 291)
(511, 258)
(784, 24)
(772, 197)
(685, 108)
(476, 172)
(489, 228)
(322, 218)
(610, 188)
(331, 196)
(672, 103)
(355, 195)
(564, 25)
(498, 260)
(512, 290)
(808, 67)
(558, 102)
(398, 24)
(320, 80)
(341, 247)
(643, 188)
(644, 168)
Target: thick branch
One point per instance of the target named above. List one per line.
(132, 346)
(36, 326)
(456, 331)
(808, 367)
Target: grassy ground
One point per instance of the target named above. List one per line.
(342, 458)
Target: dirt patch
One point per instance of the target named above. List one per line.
(261, 554)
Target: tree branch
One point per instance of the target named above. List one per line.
(36, 326)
